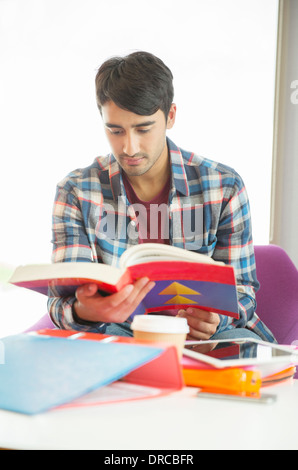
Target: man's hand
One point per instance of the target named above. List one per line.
(115, 308)
(202, 324)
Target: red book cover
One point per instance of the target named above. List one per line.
(179, 283)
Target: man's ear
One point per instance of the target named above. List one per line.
(171, 116)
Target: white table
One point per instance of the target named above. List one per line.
(177, 421)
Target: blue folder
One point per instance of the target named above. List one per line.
(38, 373)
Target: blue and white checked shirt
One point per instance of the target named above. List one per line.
(92, 199)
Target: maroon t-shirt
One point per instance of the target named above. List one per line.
(152, 216)
(157, 223)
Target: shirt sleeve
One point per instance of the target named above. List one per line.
(235, 246)
(70, 244)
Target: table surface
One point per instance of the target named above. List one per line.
(176, 421)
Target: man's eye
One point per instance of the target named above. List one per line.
(116, 132)
(143, 131)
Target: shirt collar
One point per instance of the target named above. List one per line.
(179, 177)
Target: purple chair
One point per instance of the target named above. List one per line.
(44, 322)
(277, 298)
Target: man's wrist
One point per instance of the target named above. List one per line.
(78, 319)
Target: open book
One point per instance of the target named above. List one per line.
(182, 278)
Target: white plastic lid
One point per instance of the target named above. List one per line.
(160, 324)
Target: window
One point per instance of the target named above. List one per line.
(222, 55)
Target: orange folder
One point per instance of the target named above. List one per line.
(235, 380)
(279, 376)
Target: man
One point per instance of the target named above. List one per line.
(147, 170)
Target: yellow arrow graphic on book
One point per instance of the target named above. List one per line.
(179, 300)
(177, 288)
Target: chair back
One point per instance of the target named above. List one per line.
(277, 298)
(44, 322)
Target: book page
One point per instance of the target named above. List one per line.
(95, 271)
(148, 252)
(114, 392)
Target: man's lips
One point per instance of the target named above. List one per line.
(132, 160)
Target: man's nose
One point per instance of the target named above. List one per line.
(130, 145)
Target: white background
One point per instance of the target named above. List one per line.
(222, 55)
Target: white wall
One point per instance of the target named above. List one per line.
(221, 52)
(284, 211)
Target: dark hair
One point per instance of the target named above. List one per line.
(139, 82)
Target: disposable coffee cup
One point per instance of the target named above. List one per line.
(161, 328)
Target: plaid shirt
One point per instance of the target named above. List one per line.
(87, 197)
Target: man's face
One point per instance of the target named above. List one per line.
(138, 142)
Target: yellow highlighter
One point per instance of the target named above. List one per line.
(234, 380)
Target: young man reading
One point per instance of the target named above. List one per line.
(146, 171)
